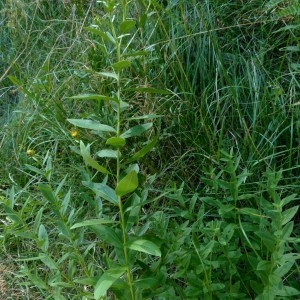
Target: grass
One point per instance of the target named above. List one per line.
(182, 182)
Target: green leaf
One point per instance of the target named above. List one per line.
(43, 242)
(267, 238)
(287, 231)
(107, 280)
(128, 184)
(126, 26)
(251, 211)
(90, 124)
(65, 203)
(116, 141)
(103, 191)
(143, 151)
(89, 161)
(287, 291)
(136, 53)
(136, 130)
(288, 214)
(20, 84)
(148, 283)
(108, 153)
(290, 48)
(48, 193)
(121, 65)
(284, 269)
(149, 90)
(35, 170)
(288, 199)
(98, 32)
(92, 222)
(85, 280)
(37, 220)
(93, 97)
(108, 235)
(109, 35)
(109, 74)
(145, 246)
(145, 117)
(49, 262)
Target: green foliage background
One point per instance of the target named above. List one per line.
(217, 198)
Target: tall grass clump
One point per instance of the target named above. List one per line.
(149, 150)
(234, 73)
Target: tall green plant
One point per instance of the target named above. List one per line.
(121, 178)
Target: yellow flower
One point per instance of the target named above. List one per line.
(30, 152)
(74, 133)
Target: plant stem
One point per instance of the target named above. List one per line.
(122, 218)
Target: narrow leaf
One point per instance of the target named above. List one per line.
(288, 214)
(103, 191)
(143, 151)
(107, 280)
(90, 124)
(290, 48)
(144, 246)
(108, 153)
(251, 211)
(126, 26)
(121, 65)
(145, 117)
(136, 130)
(49, 262)
(37, 220)
(92, 222)
(109, 35)
(35, 170)
(109, 74)
(85, 280)
(108, 235)
(93, 97)
(287, 291)
(43, 238)
(48, 193)
(128, 184)
(89, 161)
(116, 142)
(98, 32)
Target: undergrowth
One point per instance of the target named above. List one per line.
(149, 150)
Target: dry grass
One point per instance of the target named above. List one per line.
(8, 289)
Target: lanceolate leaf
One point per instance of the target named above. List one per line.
(128, 184)
(90, 124)
(143, 151)
(107, 280)
(98, 32)
(103, 191)
(108, 235)
(121, 65)
(89, 161)
(108, 74)
(288, 214)
(93, 97)
(43, 242)
(143, 245)
(136, 130)
(116, 141)
(136, 53)
(108, 153)
(91, 222)
(126, 26)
